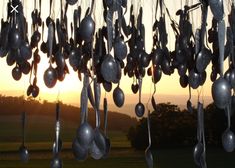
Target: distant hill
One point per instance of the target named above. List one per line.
(70, 115)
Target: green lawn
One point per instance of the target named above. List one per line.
(39, 142)
(122, 158)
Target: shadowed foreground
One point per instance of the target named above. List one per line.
(122, 158)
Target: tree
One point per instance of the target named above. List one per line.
(171, 127)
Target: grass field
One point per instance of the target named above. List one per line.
(40, 135)
(121, 158)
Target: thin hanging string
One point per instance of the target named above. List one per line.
(3, 11)
(203, 94)
(23, 93)
(199, 91)
(163, 9)
(105, 94)
(198, 95)
(187, 3)
(156, 10)
(50, 6)
(35, 2)
(191, 17)
(58, 94)
(137, 13)
(153, 14)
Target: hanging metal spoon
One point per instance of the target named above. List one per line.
(85, 131)
(97, 149)
(228, 137)
(139, 108)
(59, 145)
(50, 75)
(118, 96)
(148, 153)
(107, 140)
(204, 56)
(24, 154)
(56, 161)
(221, 89)
(198, 149)
(87, 27)
(217, 9)
(189, 103)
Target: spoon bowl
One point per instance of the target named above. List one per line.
(149, 157)
(50, 77)
(228, 140)
(98, 146)
(221, 92)
(118, 97)
(139, 109)
(109, 68)
(87, 28)
(197, 153)
(56, 162)
(24, 154)
(80, 153)
(85, 135)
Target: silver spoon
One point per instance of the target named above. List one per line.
(85, 133)
(24, 154)
(221, 88)
(107, 140)
(203, 158)
(97, 149)
(198, 149)
(56, 161)
(228, 137)
(148, 153)
(217, 9)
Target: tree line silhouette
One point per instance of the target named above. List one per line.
(15, 105)
(172, 127)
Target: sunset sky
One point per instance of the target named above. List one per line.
(70, 88)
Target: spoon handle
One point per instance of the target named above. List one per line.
(198, 123)
(91, 96)
(229, 114)
(149, 129)
(75, 18)
(105, 104)
(84, 99)
(97, 91)
(92, 7)
(50, 39)
(203, 26)
(23, 116)
(57, 111)
(203, 138)
(86, 83)
(65, 11)
(230, 39)
(50, 7)
(57, 127)
(140, 88)
(79, 14)
(109, 20)
(221, 38)
(197, 41)
(57, 135)
(190, 93)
